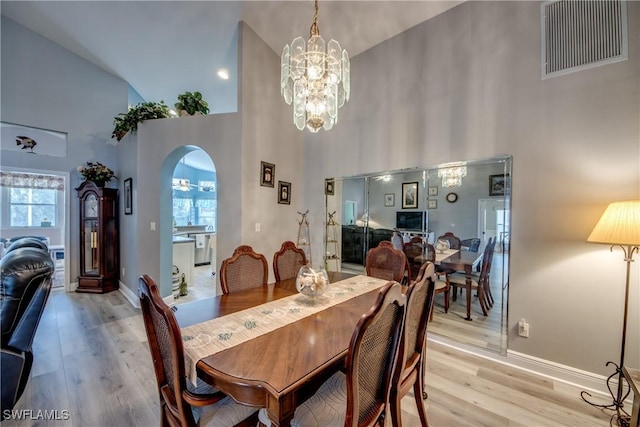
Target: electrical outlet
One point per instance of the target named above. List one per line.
(523, 328)
(123, 271)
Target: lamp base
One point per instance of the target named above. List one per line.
(620, 417)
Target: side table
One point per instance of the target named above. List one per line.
(633, 377)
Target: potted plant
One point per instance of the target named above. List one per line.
(128, 122)
(97, 172)
(191, 103)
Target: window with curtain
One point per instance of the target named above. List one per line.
(33, 200)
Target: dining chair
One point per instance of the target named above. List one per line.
(479, 281)
(287, 261)
(245, 269)
(181, 403)
(360, 397)
(411, 366)
(440, 277)
(454, 241)
(386, 262)
(413, 249)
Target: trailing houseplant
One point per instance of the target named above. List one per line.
(128, 122)
(191, 103)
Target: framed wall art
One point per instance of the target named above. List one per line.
(389, 200)
(128, 196)
(499, 185)
(329, 186)
(433, 191)
(284, 193)
(267, 174)
(410, 195)
(433, 204)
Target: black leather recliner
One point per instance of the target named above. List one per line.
(25, 283)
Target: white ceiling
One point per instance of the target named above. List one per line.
(163, 48)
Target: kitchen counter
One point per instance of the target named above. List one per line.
(182, 239)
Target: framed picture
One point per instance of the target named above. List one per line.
(409, 195)
(128, 196)
(284, 193)
(328, 186)
(433, 191)
(433, 204)
(267, 174)
(389, 200)
(499, 185)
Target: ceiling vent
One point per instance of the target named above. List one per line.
(582, 34)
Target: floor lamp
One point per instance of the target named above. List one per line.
(619, 226)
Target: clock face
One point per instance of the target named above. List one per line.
(91, 206)
(452, 197)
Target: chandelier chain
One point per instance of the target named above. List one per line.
(315, 30)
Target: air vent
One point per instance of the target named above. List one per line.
(582, 34)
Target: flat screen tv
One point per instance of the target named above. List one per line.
(414, 221)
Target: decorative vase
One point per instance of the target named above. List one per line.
(442, 245)
(312, 282)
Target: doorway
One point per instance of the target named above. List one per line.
(194, 217)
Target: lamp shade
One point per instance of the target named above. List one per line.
(618, 225)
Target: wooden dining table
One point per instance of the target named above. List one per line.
(282, 368)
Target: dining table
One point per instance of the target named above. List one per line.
(459, 260)
(282, 366)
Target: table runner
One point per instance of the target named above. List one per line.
(215, 335)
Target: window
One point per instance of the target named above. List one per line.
(32, 200)
(31, 207)
(207, 212)
(182, 214)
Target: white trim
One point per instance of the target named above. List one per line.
(129, 295)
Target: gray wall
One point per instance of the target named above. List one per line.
(466, 85)
(46, 86)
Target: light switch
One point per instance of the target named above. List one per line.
(257, 227)
(153, 226)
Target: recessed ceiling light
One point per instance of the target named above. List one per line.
(223, 74)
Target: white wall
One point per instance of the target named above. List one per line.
(46, 86)
(466, 85)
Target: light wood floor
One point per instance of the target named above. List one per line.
(91, 358)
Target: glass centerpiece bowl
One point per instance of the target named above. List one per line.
(312, 282)
(442, 245)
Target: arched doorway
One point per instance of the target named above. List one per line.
(194, 217)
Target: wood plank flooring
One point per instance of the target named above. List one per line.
(91, 358)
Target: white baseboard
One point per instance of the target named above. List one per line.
(587, 381)
(129, 295)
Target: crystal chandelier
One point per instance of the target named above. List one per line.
(452, 174)
(315, 78)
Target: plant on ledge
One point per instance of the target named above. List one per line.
(97, 172)
(128, 122)
(191, 103)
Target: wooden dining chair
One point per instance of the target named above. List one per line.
(479, 281)
(454, 241)
(413, 249)
(245, 269)
(360, 397)
(182, 404)
(287, 261)
(386, 262)
(441, 277)
(410, 371)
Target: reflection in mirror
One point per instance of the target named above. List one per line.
(471, 200)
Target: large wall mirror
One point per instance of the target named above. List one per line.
(471, 199)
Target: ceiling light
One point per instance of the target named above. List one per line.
(315, 77)
(223, 74)
(452, 174)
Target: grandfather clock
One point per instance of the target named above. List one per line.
(99, 258)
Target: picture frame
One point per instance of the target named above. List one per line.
(499, 185)
(128, 196)
(433, 204)
(433, 191)
(389, 200)
(267, 174)
(410, 195)
(284, 193)
(329, 184)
